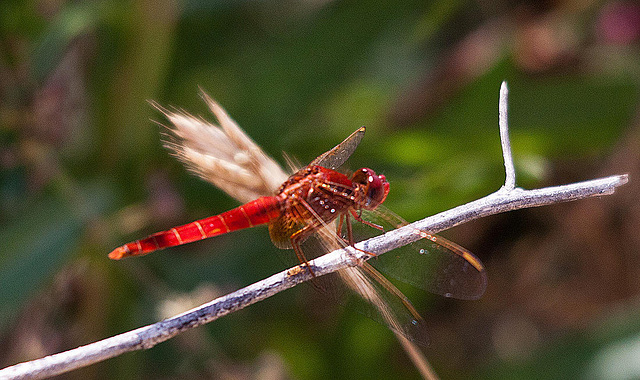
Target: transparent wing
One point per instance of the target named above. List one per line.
(433, 263)
(337, 156)
(380, 300)
(280, 231)
(373, 295)
(229, 159)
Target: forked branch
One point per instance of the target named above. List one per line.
(507, 198)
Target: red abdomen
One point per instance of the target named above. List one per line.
(259, 211)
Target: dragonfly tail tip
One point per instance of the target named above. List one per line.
(118, 253)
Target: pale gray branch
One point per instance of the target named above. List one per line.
(149, 336)
(506, 199)
(510, 172)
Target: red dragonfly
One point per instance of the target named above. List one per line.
(307, 201)
(305, 204)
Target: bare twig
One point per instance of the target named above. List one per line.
(510, 172)
(505, 199)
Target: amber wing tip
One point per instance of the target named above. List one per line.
(118, 253)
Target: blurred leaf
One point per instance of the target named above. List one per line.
(604, 351)
(17, 17)
(39, 242)
(572, 116)
(74, 20)
(35, 248)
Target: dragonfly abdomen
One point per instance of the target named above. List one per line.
(254, 213)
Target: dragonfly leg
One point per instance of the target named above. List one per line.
(349, 239)
(297, 238)
(366, 222)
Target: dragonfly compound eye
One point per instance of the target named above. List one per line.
(376, 186)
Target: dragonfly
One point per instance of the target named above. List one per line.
(310, 199)
(316, 200)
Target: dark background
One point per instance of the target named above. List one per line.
(82, 170)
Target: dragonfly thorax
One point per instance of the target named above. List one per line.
(317, 192)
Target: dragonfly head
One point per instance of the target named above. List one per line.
(375, 187)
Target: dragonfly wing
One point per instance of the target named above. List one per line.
(364, 289)
(432, 263)
(337, 156)
(437, 265)
(222, 155)
(280, 231)
(384, 302)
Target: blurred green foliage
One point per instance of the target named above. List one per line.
(82, 168)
